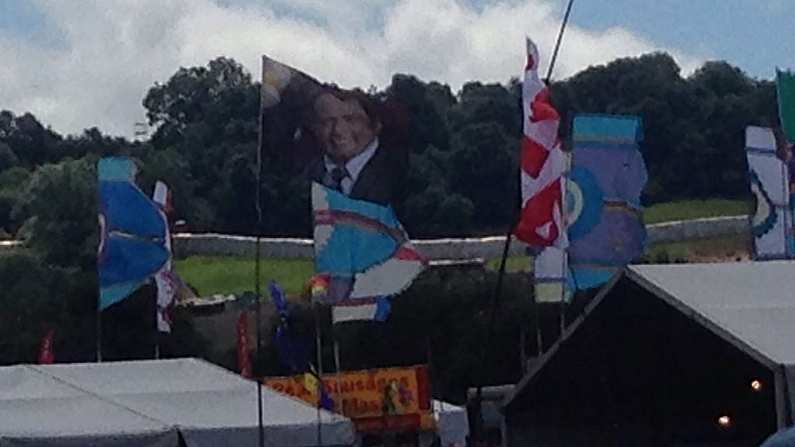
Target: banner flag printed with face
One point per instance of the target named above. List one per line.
(606, 230)
(771, 221)
(351, 151)
(133, 234)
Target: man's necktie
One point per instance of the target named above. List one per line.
(336, 176)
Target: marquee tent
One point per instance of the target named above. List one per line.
(153, 404)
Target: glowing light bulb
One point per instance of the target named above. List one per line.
(756, 385)
(724, 421)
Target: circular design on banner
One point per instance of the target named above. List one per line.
(764, 218)
(584, 202)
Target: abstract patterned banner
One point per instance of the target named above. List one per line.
(351, 148)
(363, 251)
(785, 84)
(606, 231)
(132, 232)
(771, 221)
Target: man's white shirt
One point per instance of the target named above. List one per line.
(354, 166)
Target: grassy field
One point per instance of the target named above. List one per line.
(220, 274)
(694, 209)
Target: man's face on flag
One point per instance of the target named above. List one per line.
(342, 127)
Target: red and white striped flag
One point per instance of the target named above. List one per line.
(46, 353)
(243, 359)
(543, 163)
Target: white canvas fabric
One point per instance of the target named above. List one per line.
(751, 301)
(145, 403)
(772, 219)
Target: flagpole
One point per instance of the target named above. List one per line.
(559, 40)
(99, 333)
(257, 279)
(503, 259)
(492, 319)
(319, 360)
(548, 79)
(336, 343)
(157, 329)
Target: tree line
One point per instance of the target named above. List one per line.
(463, 146)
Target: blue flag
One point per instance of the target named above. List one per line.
(293, 353)
(608, 174)
(132, 232)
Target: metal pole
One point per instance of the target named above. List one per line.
(319, 360)
(559, 40)
(99, 334)
(257, 282)
(490, 328)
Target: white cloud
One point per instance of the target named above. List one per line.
(115, 50)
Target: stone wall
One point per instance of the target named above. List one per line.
(211, 244)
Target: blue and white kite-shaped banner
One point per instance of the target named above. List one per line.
(363, 254)
(133, 233)
(771, 221)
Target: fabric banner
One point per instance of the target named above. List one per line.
(771, 221)
(293, 352)
(785, 86)
(375, 399)
(350, 150)
(606, 231)
(133, 233)
(165, 279)
(364, 251)
(543, 165)
(243, 352)
(46, 352)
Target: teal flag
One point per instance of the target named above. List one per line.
(785, 83)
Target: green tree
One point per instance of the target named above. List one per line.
(59, 203)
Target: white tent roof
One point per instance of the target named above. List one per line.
(752, 303)
(453, 423)
(36, 408)
(209, 405)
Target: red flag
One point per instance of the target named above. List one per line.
(46, 355)
(543, 163)
(243, 360)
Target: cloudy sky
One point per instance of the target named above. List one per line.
(83, 63)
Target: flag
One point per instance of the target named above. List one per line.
(785, 86)
(543, 165)
(317, 389)
(132, 232)
(46, 354)
(771, 221)
(607, 177)
(243, 358)
(165, 278)
(362, 254)
(293, 353)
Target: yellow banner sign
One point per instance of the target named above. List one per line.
(394, 398)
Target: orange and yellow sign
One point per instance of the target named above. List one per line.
(375, 399)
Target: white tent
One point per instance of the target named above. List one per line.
(145, 403)
(452, 423)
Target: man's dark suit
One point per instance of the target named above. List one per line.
(380, 180)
